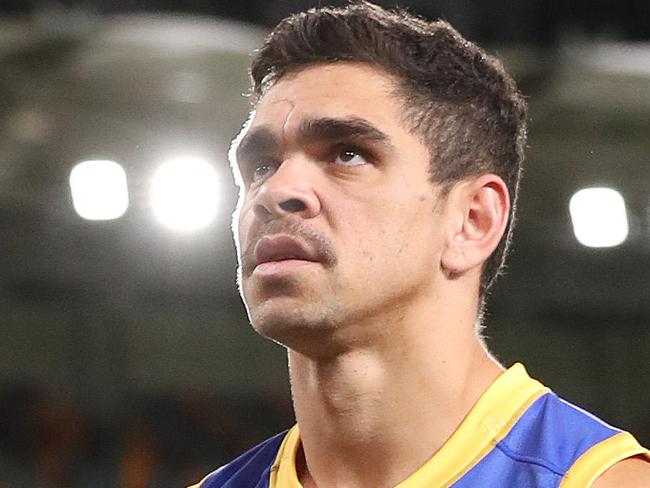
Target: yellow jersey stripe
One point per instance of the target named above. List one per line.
(489, 421)
(599, 458)
(283, 471)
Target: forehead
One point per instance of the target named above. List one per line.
(332, 90)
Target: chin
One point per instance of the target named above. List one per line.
(301, 327)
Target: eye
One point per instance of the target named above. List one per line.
(262, 171)
(350, 156)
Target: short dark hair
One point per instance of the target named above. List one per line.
(459, 100)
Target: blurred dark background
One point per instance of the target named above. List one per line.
(125, 355)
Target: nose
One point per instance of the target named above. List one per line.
(290, 190)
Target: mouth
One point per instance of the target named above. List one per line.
(281, 248)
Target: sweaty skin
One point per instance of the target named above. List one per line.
(351, 258)
(382, 344)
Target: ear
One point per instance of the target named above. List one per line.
(478, 210)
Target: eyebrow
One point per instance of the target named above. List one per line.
(262, 140)
(327, 128)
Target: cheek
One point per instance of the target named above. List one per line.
(372, 235)
(404, 229)
(241, 223)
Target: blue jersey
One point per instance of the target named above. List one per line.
(519, 434)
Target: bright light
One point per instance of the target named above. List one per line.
(99, 190)
(599, 217)
(185, 194)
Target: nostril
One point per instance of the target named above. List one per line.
(293, 205)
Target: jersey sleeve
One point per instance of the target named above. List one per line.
(600, 457)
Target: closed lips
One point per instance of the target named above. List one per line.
(280, 248)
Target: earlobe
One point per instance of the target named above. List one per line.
(478, 220)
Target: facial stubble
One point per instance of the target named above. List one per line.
(290, 304)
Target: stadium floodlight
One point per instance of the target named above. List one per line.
(599, 217)
(99, 190)
(185, 193)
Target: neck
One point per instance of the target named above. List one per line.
(373, 415)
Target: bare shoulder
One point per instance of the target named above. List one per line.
(633, 472)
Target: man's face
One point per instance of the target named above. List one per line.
(337, 223)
